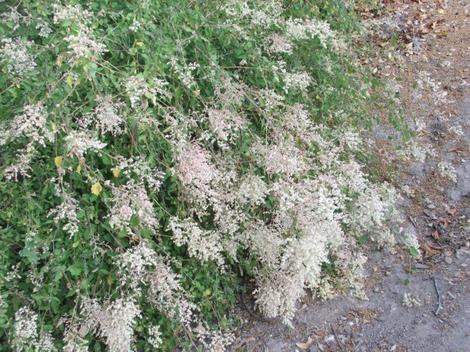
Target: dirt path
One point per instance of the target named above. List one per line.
(432, 77)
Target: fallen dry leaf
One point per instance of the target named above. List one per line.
(452, 211)
(444, 222)
(427, 249)
(365, 315)
(305, 345)
(435, 246)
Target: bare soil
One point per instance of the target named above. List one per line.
(431, 73)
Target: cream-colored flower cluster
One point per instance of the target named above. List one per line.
(250, 173)
(15, 52)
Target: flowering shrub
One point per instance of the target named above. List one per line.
(155, 151)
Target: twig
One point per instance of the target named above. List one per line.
(413, 221)
(439, 299)
(250, 311)
(336, 338)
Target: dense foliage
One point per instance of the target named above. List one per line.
(157, 154)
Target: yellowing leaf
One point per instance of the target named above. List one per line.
(69, 81)
(58, 161)
(96, 188)
(59, 60)
(116, 171)
(78, 169)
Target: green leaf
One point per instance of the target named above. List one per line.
(75, 269)
(59, 273)
(134, 220)
(106, 160)
(413, 251)
(55, 304)
(30, 254)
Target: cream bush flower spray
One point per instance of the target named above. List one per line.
(156, 161)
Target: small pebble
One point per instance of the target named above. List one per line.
(430, 214)
(448, 260)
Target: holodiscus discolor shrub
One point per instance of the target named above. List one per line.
(157, 155)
